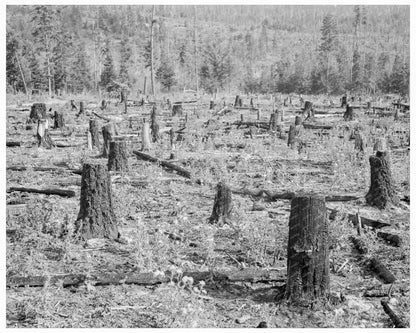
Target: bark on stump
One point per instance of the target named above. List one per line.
(359, 143)
(37, 111)
(236, 103)
(81, 108)
(109, 132)
(117, 158)
(307, 257)
(381, 192)
(154, 125)
(298, 120)
(59, 121)
(293, 136)
(275, 121)
(211, 105)
(42, 134)
(222, 205)
(146, 145)
(177, 110)
(95, 133)
(349, 113)
(96, 218)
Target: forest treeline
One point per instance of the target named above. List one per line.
(254, 49)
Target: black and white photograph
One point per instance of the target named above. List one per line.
(197, 165)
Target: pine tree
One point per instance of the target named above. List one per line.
(263, 41)
(13, 76)
(125, 56)
(329, 42)
(80, 77)
(107, 75)
(357, 72)
(166, 75)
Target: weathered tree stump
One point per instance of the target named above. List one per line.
(344, 101)
(298, 120)
(96, 218)
(381, 192)
(236, 102)
(275, 121)
(81, 108)
(240, 102)
(59, 121)
(42, 134)
(95, 133)
(37, 111)
(73, 106)
(117, 158)
(292, 139)
(177, 109)
(109, 131)
(154, 125)
(222, 205)
(349, 113)
(211, 104)
(396, 115)
(307, 256)
(359, 143)
(146, 145)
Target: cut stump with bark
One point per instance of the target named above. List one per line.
(307, 256)
(222, 205)
(117, 158)
(154, 125)
(95, 133)
(42, 134)
(381, 192)
(349, 113)
(109, 132)
(59, 121)
(37, 111)
(96, 217)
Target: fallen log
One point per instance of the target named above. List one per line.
(12, 144)
(289, 195)
(245, 275)
(259, 124)
(364, 221)
(46, 169)
(381, 271)
(317, 126)
(181, 171)
(394, 240)
(397, 321)
(62, 193)
(360, 245)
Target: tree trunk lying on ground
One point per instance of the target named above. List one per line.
(397, 321)
(394, 240)
(62, 193)
(181, 171)
(13, 144)
(245, 275)
(382, 272)
(45, 169)
(260, 124)
(364, 221)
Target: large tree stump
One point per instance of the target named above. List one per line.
(37, 111)
(293, 135)
(222, 205)
(109, 131)
(307, 253)
(42, 134)
(349, 113)
(154, 125)
(177, 109)
(381, 192)
(117, 158)
(146, 144)
(298, 120)
(275, 121)
(59, 121)
(236, 102)
(95, 133)
(81, 108)
(96, 218)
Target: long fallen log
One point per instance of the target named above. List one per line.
(62, 193)
(392, 239)
(364, 221)
(289, 195)
(259, 124)
(381, 271)
(317, 126)
(181, 171)
(245, 275)
(46, 169)
(397, 321)
(12, 144)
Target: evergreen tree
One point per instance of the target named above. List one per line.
(13, 76)
(125, 55)
(166, 75)
(80, 77)
(357, 72)
(107, 76)
(263, 41)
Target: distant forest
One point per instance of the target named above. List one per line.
(252, 49)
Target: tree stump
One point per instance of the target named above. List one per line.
(117, 158)
(37, 111)
(359, 143)
(381, 192)
(240, 102)
(298, 120)
(146, 145)
(307, 253)
(349, 113)
(42, 134)
(59, 121)
(95, 133)
(154, 125)
(103, 104)
(274, 123)
(396, 115)
(211, 104)
(344, 101)
(81, 108)
(89, 140)
(292, 139)
(236, 102)
(96, 218)
(177, 110)
(73, 106)
(222, 205)
(109, 132)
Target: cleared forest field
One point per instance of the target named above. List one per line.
(170, 266)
